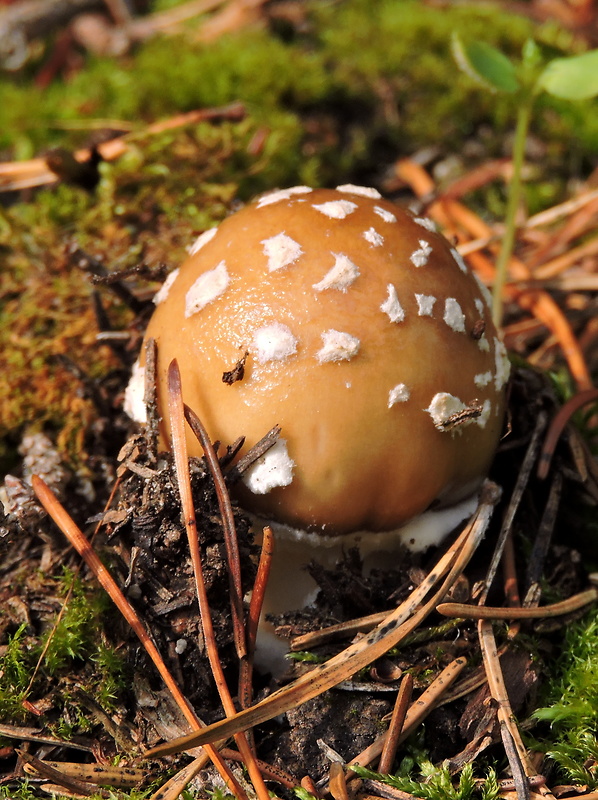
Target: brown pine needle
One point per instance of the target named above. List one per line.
(175, 786)
(458, 219)
(308, 784)
(514, 502)
(179, 449)
(253, 617)
(557, 426)
(392, 630)
(342, 630)
(82, 546)
(465, 611)
(515, 750)
(228, 526)
(417, 711)
(337, 783)
(67, 781)
(395, 729)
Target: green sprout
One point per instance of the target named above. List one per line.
(569, 78)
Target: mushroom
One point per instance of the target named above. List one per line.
(358, 329)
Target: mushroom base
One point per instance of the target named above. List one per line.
(291, 587)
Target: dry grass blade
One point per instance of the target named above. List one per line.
(228, 526)
(34, 735)
(563, 210)
(392, 630)
(385, 791)
(105, 579)
(554, 267)
(179, 449)
(465, 611)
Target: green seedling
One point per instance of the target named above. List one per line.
(570, 78)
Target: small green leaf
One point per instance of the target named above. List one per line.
(485, 64)
(572, 78)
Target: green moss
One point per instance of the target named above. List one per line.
(383, 68)
(73, 642)
(570, 707)
(14, 675)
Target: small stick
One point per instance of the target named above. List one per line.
(257, 451)
(395, 729)
(19, 175)
(82, 546)
(466, 611)
(179, 449)
(229, 529)
(150, 398)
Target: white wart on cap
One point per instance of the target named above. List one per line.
(368, 341)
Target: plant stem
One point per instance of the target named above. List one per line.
(513, 200)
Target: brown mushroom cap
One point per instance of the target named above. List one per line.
(368, 341)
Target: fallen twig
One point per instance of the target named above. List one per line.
(17, 175)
